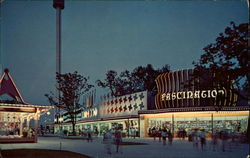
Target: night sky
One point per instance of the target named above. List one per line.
(98, 36)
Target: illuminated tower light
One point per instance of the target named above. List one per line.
(58, 5)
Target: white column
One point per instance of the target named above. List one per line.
(110, 126)
(21, 126)
(142, 127)
(28, 122)
(36, 118)
(98, 128)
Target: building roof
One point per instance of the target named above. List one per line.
(5, 107)
(8, 86)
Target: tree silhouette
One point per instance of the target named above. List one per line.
(71, 86)
(227, 59)
(140, 79)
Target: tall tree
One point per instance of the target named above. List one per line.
(229, 56)
(71, 86)
(110, 81)
(140, 79)
(228, 60)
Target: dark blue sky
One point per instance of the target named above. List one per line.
(99, 36)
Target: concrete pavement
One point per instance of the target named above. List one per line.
(153, 149)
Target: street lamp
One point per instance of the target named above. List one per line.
(60, 124)
(61, 119)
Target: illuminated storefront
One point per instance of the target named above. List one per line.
(234, 120)
(175, 107)
(16, 115)
(112, 112)
(179, 107)
(15, 120)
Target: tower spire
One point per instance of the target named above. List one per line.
(58, 5)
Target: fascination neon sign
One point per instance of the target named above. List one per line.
(192, 94)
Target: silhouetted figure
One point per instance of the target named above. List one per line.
(202, 139)
(224, 137)
(154, 132)
(170, 138)
(214, 141)
(164, 136)
(118, 139)
(159, 132)
(89, 136)
(107, 140)
(195, 138)
(184, 134)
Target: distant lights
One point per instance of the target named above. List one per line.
(61, 119)
(90, 113)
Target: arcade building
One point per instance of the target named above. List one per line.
(175, 107)
(16, 116)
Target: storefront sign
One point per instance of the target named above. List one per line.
(179, 89)
(192, 94)
(89, 113)
(123, 105)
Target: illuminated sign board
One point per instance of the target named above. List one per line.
(123, 105)
(174, 92)
(191, 94)
(89, 113)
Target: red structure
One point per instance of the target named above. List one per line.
(15, 116)
(7, 86)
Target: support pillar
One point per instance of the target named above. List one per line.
(173, 124)
(109, 124)
(128, 126)
(21, 127)
(146, 126)
(98, 128)
(212, 123)
(36, 126)
(28, 123)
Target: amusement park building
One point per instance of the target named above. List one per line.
(16, 115)
(174, 107)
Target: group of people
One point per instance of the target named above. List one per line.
(162, 134)
(197, 137)
(112, 137)
(88, 133)
(219, 139)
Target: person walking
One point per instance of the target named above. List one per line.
(170, 138)
(133, 131)
(159, 132)
(89, 136)
(107, 140)
(184, 134)
(118, 138)
(154, 132)
(164, 136)
(214, 141)
(224, 137)
(195, 138)
(189, 134)
(202, 136)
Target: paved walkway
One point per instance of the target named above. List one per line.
(154, 149)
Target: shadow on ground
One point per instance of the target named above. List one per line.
(40, 153)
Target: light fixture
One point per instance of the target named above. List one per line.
(61, 119)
